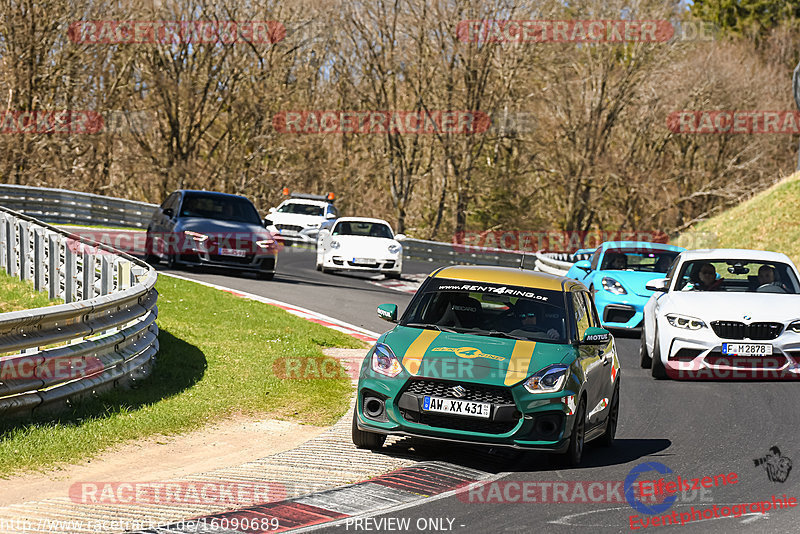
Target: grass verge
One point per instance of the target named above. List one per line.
(215, 360)
(16, 294)
(768, 221)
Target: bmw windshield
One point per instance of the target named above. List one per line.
(489, 309)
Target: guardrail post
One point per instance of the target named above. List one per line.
(87, 291)
(70, 276)
(11, 257)
(106, 275)
(123, 274)
(3, 242)
(39, 266)
(53, 276)
(24, 250)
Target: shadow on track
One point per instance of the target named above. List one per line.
(499, 459)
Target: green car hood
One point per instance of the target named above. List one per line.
(472, 358)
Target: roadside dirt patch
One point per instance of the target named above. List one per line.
(224, 444)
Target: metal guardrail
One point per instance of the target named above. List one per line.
(456, 253)
(60, 206)
(103, 336)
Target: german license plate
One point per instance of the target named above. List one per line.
(456, 407)
(232, 252)
(747, 349)
(363, 261)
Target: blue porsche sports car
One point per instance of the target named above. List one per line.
(617, 274)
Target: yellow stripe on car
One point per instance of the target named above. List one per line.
(413, 358)
(520, 361)
(501, 275)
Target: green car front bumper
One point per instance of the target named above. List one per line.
(518, 419)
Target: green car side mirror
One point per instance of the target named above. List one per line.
(388, 312)
(596, 336)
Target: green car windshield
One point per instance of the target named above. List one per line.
(489, 309)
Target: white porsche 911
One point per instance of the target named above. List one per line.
(360, 244)
(724, 313)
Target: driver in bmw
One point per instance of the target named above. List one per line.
(766, 277)
(706, 279)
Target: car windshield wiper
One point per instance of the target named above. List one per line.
(498, 333)
(430, 325)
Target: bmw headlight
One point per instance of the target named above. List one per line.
(394, 249)
(611, 285)
(335, 244)
(265, 243)
(684, 321)
(551, 378)
(384, 361)
(794, 326)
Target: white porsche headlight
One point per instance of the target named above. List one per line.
(394, 249)
(335, 244)
(684, 321)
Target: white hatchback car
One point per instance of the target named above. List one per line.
(724, 313)
(360, 244)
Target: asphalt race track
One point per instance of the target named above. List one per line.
(695, 429)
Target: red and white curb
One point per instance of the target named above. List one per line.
(309, 315)
(387, 493)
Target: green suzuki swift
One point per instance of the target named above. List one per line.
(493, 356)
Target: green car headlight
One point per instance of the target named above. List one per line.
(551, 378)
(684, 321)
(384, 361)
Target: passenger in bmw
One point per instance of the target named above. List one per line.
(706, 279)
